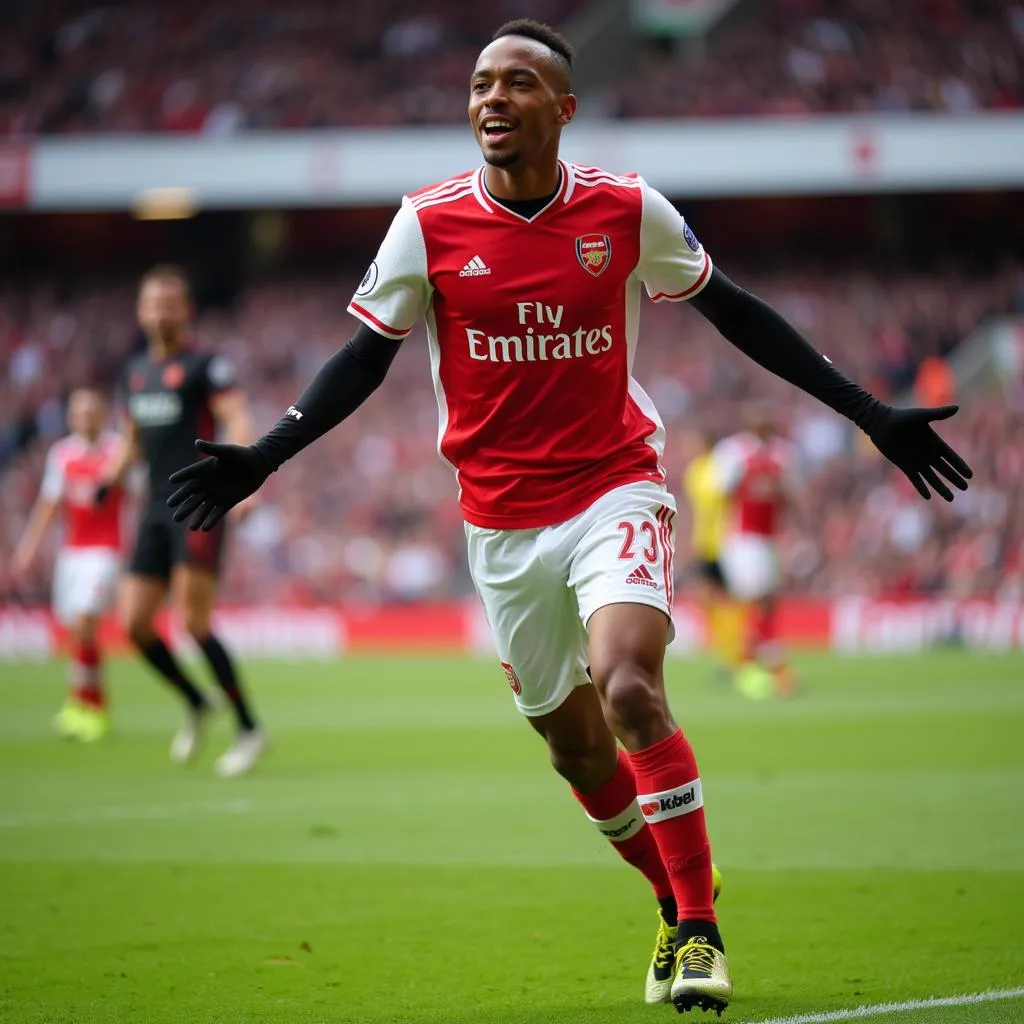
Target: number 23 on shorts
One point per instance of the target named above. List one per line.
(650, 541)
(648, 536)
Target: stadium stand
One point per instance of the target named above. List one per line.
(149, 67)
(800, 57)
(378, 520)
(130, 67)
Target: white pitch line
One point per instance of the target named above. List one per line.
(881, 1009)
(125, 812)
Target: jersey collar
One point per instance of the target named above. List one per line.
(186, 349)
(566, 186)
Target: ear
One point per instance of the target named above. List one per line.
(567, 109)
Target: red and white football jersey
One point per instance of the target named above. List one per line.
(74, 469)
(760, 475)
(532, 325)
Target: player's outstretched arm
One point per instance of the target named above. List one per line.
(38, 523)
(904, 436)
(51, 493)
(231, 412)
(230, 409)
(127, 456)
(211, 487)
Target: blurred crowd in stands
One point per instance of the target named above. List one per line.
(196, 66)
(798, 57)
(74, 66)
(369, 513)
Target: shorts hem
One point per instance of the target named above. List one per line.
(630, 598)
(192, 563)
(66, 617)
(537, 710)
(152, 574)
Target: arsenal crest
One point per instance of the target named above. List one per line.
(594, 253)
(513, 679)
(172, 376)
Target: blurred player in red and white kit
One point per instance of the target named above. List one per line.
(528, 272)
(757, 470)
(85, 574)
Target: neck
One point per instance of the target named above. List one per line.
(162, 346)
(533, 182)
(90, 438)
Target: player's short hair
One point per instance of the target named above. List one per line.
(560, 47)
(168, 272)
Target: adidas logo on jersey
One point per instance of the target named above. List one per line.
(641, 575)
(475, 268)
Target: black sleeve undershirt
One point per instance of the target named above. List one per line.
(769, 339)
(355, 371)
(340, 386)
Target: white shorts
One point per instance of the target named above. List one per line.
(539, 587)
(750, 565)
(84, 581)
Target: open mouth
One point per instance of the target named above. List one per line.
(496, 129)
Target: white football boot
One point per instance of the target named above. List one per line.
(189, 738)
(243, 754)
(702, 977)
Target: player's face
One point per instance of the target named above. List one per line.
(87, 412)
(762, 424)
(517, 102)
(164, 308)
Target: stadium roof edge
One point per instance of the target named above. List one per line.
(732, 157)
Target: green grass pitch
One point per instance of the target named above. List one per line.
(406, 854)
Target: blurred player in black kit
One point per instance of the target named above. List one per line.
(173, 392)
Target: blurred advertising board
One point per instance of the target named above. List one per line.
(355, 167)
(849, 625)
(15, 176)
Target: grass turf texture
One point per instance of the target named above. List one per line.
(406, 854)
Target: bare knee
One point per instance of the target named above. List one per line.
(85, 629)
(580, 743)
(137, 621)
(634, 696)
(139, 630)
(139, 600)
(585, 766)
(197, 624)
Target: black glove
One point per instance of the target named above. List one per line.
(905, 437)
(101, 493)
(213, 486)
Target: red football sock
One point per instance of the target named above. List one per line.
(613, 809)
(669, 794)
(768, 649)
(754, 633)
(86, 674)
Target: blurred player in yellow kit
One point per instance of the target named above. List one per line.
(709, 506)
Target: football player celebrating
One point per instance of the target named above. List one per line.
(528, 272)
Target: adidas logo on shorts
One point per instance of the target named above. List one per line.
(641, 575)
